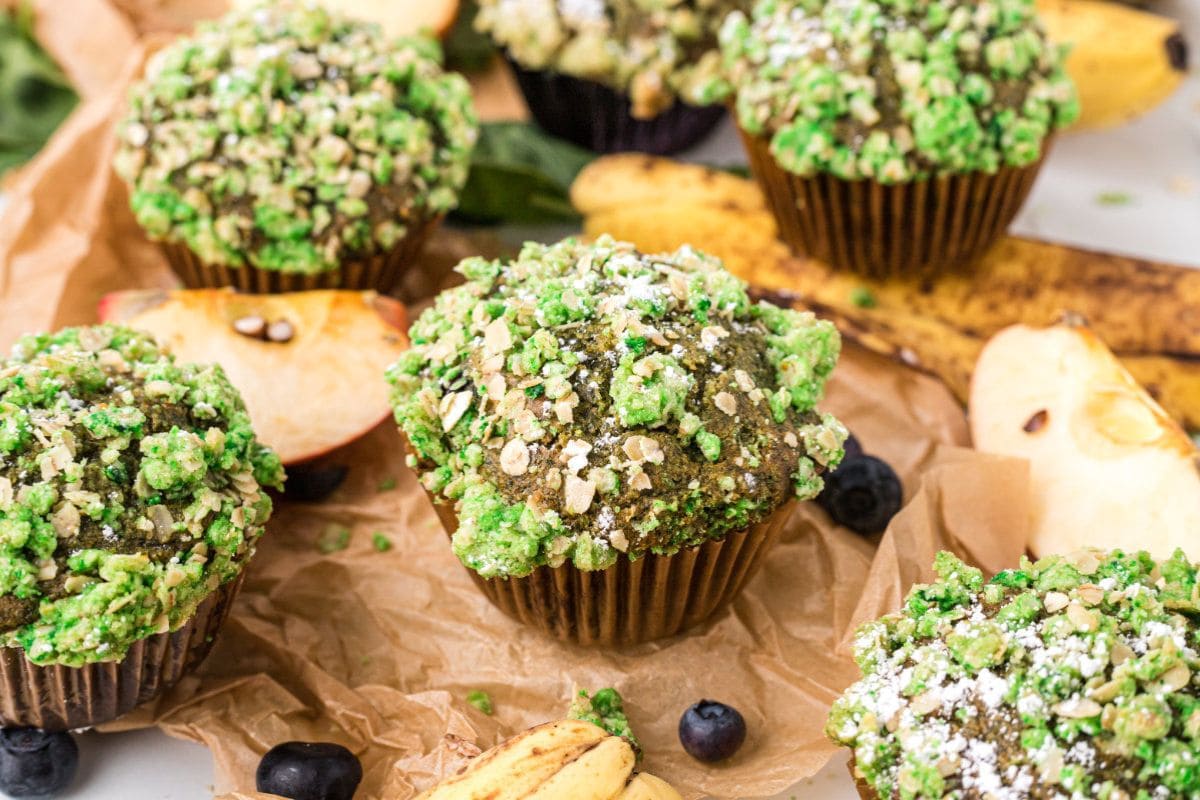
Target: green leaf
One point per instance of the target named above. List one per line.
(521, 175)
(35, 96)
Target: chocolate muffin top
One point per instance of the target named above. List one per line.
(1072, 677)
(290, 138)
(130, 489)
(656, 51)
(897, 90)
(586, 401)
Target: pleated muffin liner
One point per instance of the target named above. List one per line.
(865, 790)
(380, 272)
(633, 601)
(57, 698)
(601, 119)
(918, 229)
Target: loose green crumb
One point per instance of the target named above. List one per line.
(333, 539)
(862, 297)
(1114, 199)
(482, 701)
(605, 709)
(387, 484)
(381, 542)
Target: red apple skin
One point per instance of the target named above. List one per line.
(307, 397)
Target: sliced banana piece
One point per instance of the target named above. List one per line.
(518, 767)
(648, 787)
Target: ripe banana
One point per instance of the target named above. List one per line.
(1146, 312)
(1124, 61)
(564, 760)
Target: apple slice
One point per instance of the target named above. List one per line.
(1108, 467)
(397, 17)
(309, 365)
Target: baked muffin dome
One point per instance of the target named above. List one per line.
(131, 487)
(1070, 677)
(587, 401)
(897, 90)
(290, 138)
(656, 51)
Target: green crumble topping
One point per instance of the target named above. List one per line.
(605, 709)
(656, 51)
(671, 410)
(289, 138)
(1071, 677)
(897, 90)
(130, 489)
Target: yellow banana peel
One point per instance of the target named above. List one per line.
(1148, 313)
(1123, 60)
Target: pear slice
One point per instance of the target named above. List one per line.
(315, 385)
(1108, 467)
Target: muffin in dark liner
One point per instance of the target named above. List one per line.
(916, 229)
(57, 697)
(381, 272)
(631, 602)
(594, 116)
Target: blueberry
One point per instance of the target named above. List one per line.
(853, 446)
(862, 494)
(312, 483)
(309, 771)
(710, 731)
(34, 763)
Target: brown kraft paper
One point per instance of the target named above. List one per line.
(378, 650)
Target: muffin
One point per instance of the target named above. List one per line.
(131, 497)
(615, 75)
(613, 440)
(285, 147)
(895, 139)
(1070, 677)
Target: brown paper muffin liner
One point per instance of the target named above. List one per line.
(633, 601)
(601, 119)
(865, 791)
(57, 698)
(380, 272)
(916, 229)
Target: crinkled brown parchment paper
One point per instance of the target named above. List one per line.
(378, 650)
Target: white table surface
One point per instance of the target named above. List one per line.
(1155, 160)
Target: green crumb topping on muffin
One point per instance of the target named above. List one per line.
(130, 489)
(606, 710)
(897, 90)
(1071, 677)
(289, 138)
(586, 401)
(656, 51)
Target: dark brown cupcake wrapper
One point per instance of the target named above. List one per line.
(601, 119)
(916, 229)
(633, 601)
(380, 272)
(57, 698)
(865, 791)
